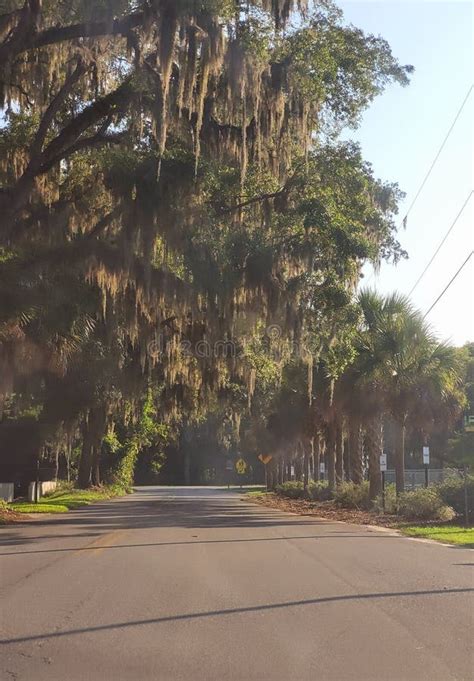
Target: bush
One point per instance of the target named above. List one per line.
(319, 491)
(292, 490)
(390, 500)
(424, 504)
(420, 504)
(451, 492)
(350, 495)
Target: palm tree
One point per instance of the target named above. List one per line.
(401, 369)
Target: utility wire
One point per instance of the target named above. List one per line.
(445, 289)
(442, 242)
(425, 181)
(437, 155)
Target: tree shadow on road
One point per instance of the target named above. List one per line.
(166, 619)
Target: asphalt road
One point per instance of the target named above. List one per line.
(195, 584)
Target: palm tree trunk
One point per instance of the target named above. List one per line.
(339, 453)
(299, 472)
(316, 456)
(400, 455)
(355, 452)
(331, 455)
(271, 470)
(306, 444)
(373, 441)
(347, 460)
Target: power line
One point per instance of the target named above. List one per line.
(420, 189)
(445, 289)
(437, 155)
(442, 242)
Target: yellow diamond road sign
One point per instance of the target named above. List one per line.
(240, 466)
(265, 458)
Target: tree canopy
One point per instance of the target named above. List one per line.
(174, 189)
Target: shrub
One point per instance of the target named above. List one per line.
(122, 474)
(350, 495)
(290, 489)
(319, 490)
(451, 492)
(424, 504)
(390, 500)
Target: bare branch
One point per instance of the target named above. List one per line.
(54, 107)
(25, 36)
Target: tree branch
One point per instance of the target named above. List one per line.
(255, 199)
(25, 37)
(53, 109)
(83, 143)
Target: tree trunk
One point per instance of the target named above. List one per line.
(331, 455)
(85, 462)
(400, 456)
(311, 458)
(93, 432)
(299, 464)
(347, 461)
(373, 442)
(96, 465)
(272, 479)
(355, 452)
(306, 454)
(339, 453)
(316, 456)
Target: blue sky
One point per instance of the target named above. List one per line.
(400, 135)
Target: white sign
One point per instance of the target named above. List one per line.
(322, 468)
(383, 463)
(426, 455)
(229, 465)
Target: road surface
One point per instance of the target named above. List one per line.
(195, 584)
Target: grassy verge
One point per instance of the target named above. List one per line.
(256, 493)
(24, 507)
(451, 534)
(64, 500)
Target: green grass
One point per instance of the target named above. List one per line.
(256, 492)
(23, 507)
(451, 534)
(62, 500)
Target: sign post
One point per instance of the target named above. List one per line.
(383, 468)
(241, 468)
(265, 459)
(426, 463)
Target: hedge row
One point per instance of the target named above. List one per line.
(437, 502)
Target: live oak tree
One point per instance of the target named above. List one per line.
(170, 173)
